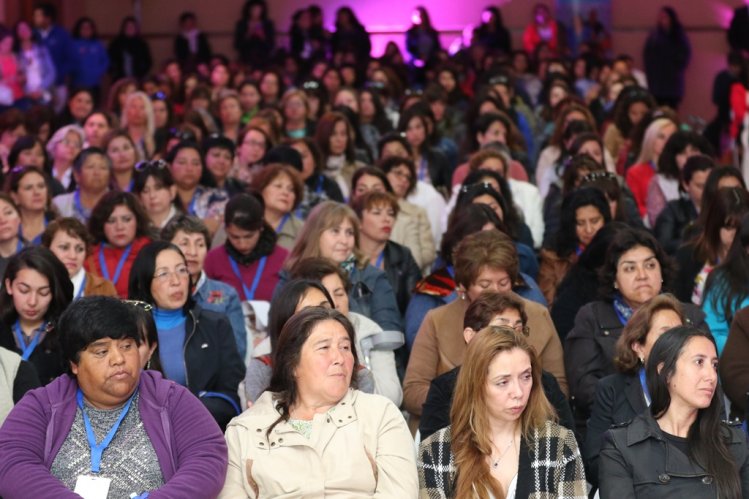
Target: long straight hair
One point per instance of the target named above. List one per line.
(707, 438)
(469, 413)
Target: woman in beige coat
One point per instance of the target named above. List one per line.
(313, 434)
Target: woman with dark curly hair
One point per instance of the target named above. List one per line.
(584, 212)
(119, 227)
(636, 270)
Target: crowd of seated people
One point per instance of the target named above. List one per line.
(298, 270)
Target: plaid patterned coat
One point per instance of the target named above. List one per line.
(550, 466)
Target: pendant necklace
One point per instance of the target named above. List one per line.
(495, 464)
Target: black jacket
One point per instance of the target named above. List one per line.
(638, 461)
(689, 266)
(439, 168)
(619, 399)
(137, 48)
(669, 227)
(589, 352)
(46, 357)
(435, 414)
(187, 59)
(402, 272)
(256, 48)
(212, 362)
(26, 379)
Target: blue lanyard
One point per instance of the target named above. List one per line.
(644, 385)
(19, 245)
(78, 206)
(451, 271)
(34, 242)
(98, 449)
(380, 259)
(422, 169)
(249, 294)
(320, 180)
(191, 206)
(120, 264)
(80, 291)
(28, 349)
(282, 223)
(130, 187)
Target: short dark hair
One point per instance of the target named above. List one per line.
(83, 156)
(246, 211)
(317, 268)
(394, 162)
(185, 223)
(489, 303)
(623, 241)
(393, 137)
(143, 270)
(464, 222)
(676, 144)
(699, 163)
(285, 302)
(106, 205)
(49, 10)
(25, 143)
(270, 172)
(92, 318)
(70, 226)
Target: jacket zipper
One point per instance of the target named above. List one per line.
(184, 347)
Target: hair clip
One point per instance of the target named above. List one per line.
(157, 163)
(310, 85)
(159, 96)
(590, 177)
(140, 304)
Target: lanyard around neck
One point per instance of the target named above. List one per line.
(249, 294)
(120, 263)
(27, 350)
(98, 449)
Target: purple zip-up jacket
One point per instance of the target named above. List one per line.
(188, 443)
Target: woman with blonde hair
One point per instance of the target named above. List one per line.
(138, 120)
(503, 441)
(639, 175)
(332, 231)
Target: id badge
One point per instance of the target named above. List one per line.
(92, 487)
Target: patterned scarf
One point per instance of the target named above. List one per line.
(349, 264)
(623, 310)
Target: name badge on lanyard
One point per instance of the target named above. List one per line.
(92, 487)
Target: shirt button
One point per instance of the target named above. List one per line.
(605, 333)
(280, 440)
(664, 478)
(707, 480)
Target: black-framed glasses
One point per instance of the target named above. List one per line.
(157, 164)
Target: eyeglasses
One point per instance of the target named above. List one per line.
(140, 304)
(158, 164)
(164, 275)
(403, 175)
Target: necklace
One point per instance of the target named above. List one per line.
(495, 464)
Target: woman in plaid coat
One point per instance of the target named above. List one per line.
(503, 442)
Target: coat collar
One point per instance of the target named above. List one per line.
(633, 393)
